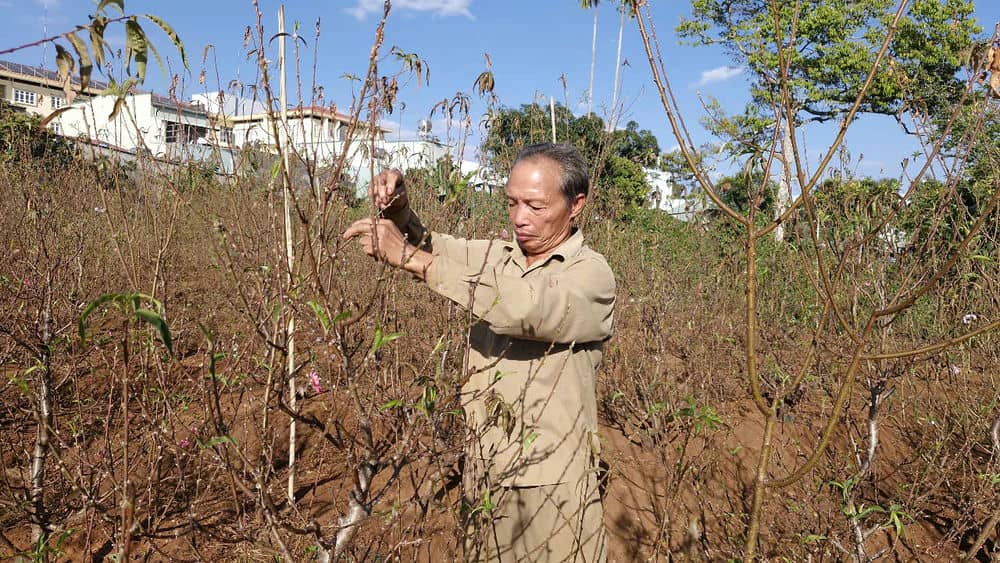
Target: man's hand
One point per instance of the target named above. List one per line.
(381, 239)
(388, 192)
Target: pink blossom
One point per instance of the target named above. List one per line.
(955, 370)
(184, 443)
(314, 382)
(970, 318)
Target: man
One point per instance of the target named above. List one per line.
(544, 307)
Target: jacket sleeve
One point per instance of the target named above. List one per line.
(408, 223)
(575, 304)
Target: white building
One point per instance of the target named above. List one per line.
(38, 91)
(317, 135)
(665, 195)
(143, 123)
(211, 125)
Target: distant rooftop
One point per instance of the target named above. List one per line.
(46, 75)
(229, 105)
(174, 103)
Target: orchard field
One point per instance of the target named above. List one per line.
(805, 371)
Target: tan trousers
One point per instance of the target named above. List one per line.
(551, 523)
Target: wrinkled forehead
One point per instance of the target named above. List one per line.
(533, 178)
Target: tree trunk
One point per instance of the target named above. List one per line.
(39, 515)
(784, 195)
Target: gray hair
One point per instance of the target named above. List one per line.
(575, 179)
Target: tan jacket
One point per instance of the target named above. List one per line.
(530, 398)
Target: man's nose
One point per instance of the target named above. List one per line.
(518, 216)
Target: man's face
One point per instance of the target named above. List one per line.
(539, 212)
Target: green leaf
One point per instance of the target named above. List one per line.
(174, 38)
(120, 4)
(39, 366)
(395, 403)
(867, 510)
(97, 43)
(530, 439)
(896, 517)
(82, 53)
(21, 383)
(159, 324)
(64, 63)
(381, 339)
(90, 308)
(320, 312)
(343, 316)
(216, 441)
(136, 46)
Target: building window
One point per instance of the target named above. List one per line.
(174, 132)
(58, 102)
(226, 135)
(335, 130)
(56, 128)
(25, 97)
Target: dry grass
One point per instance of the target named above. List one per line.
(184, 455)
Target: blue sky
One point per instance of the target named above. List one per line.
(532, 45)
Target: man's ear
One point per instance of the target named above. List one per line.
(576, 206)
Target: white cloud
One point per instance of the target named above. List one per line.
(48, 4)
(437, 7)
(720, 74)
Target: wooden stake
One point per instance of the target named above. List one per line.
(289, 250)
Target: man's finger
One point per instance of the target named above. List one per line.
(359, 227)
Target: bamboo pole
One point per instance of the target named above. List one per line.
(289, 250)
(613, 118)
(552, 114)
(593, 59)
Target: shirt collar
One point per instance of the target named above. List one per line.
(569, 247)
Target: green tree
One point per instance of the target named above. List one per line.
(616, 159)
(639, 146)
(623, 186)
(830, 45)
(510, 130)
(22, 136)
(827, 48)
(683, 177)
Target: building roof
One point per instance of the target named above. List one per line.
(298, 112)
(294, 113)
(222, 104)
(172, 102)
(44, 77)
(318, 111)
